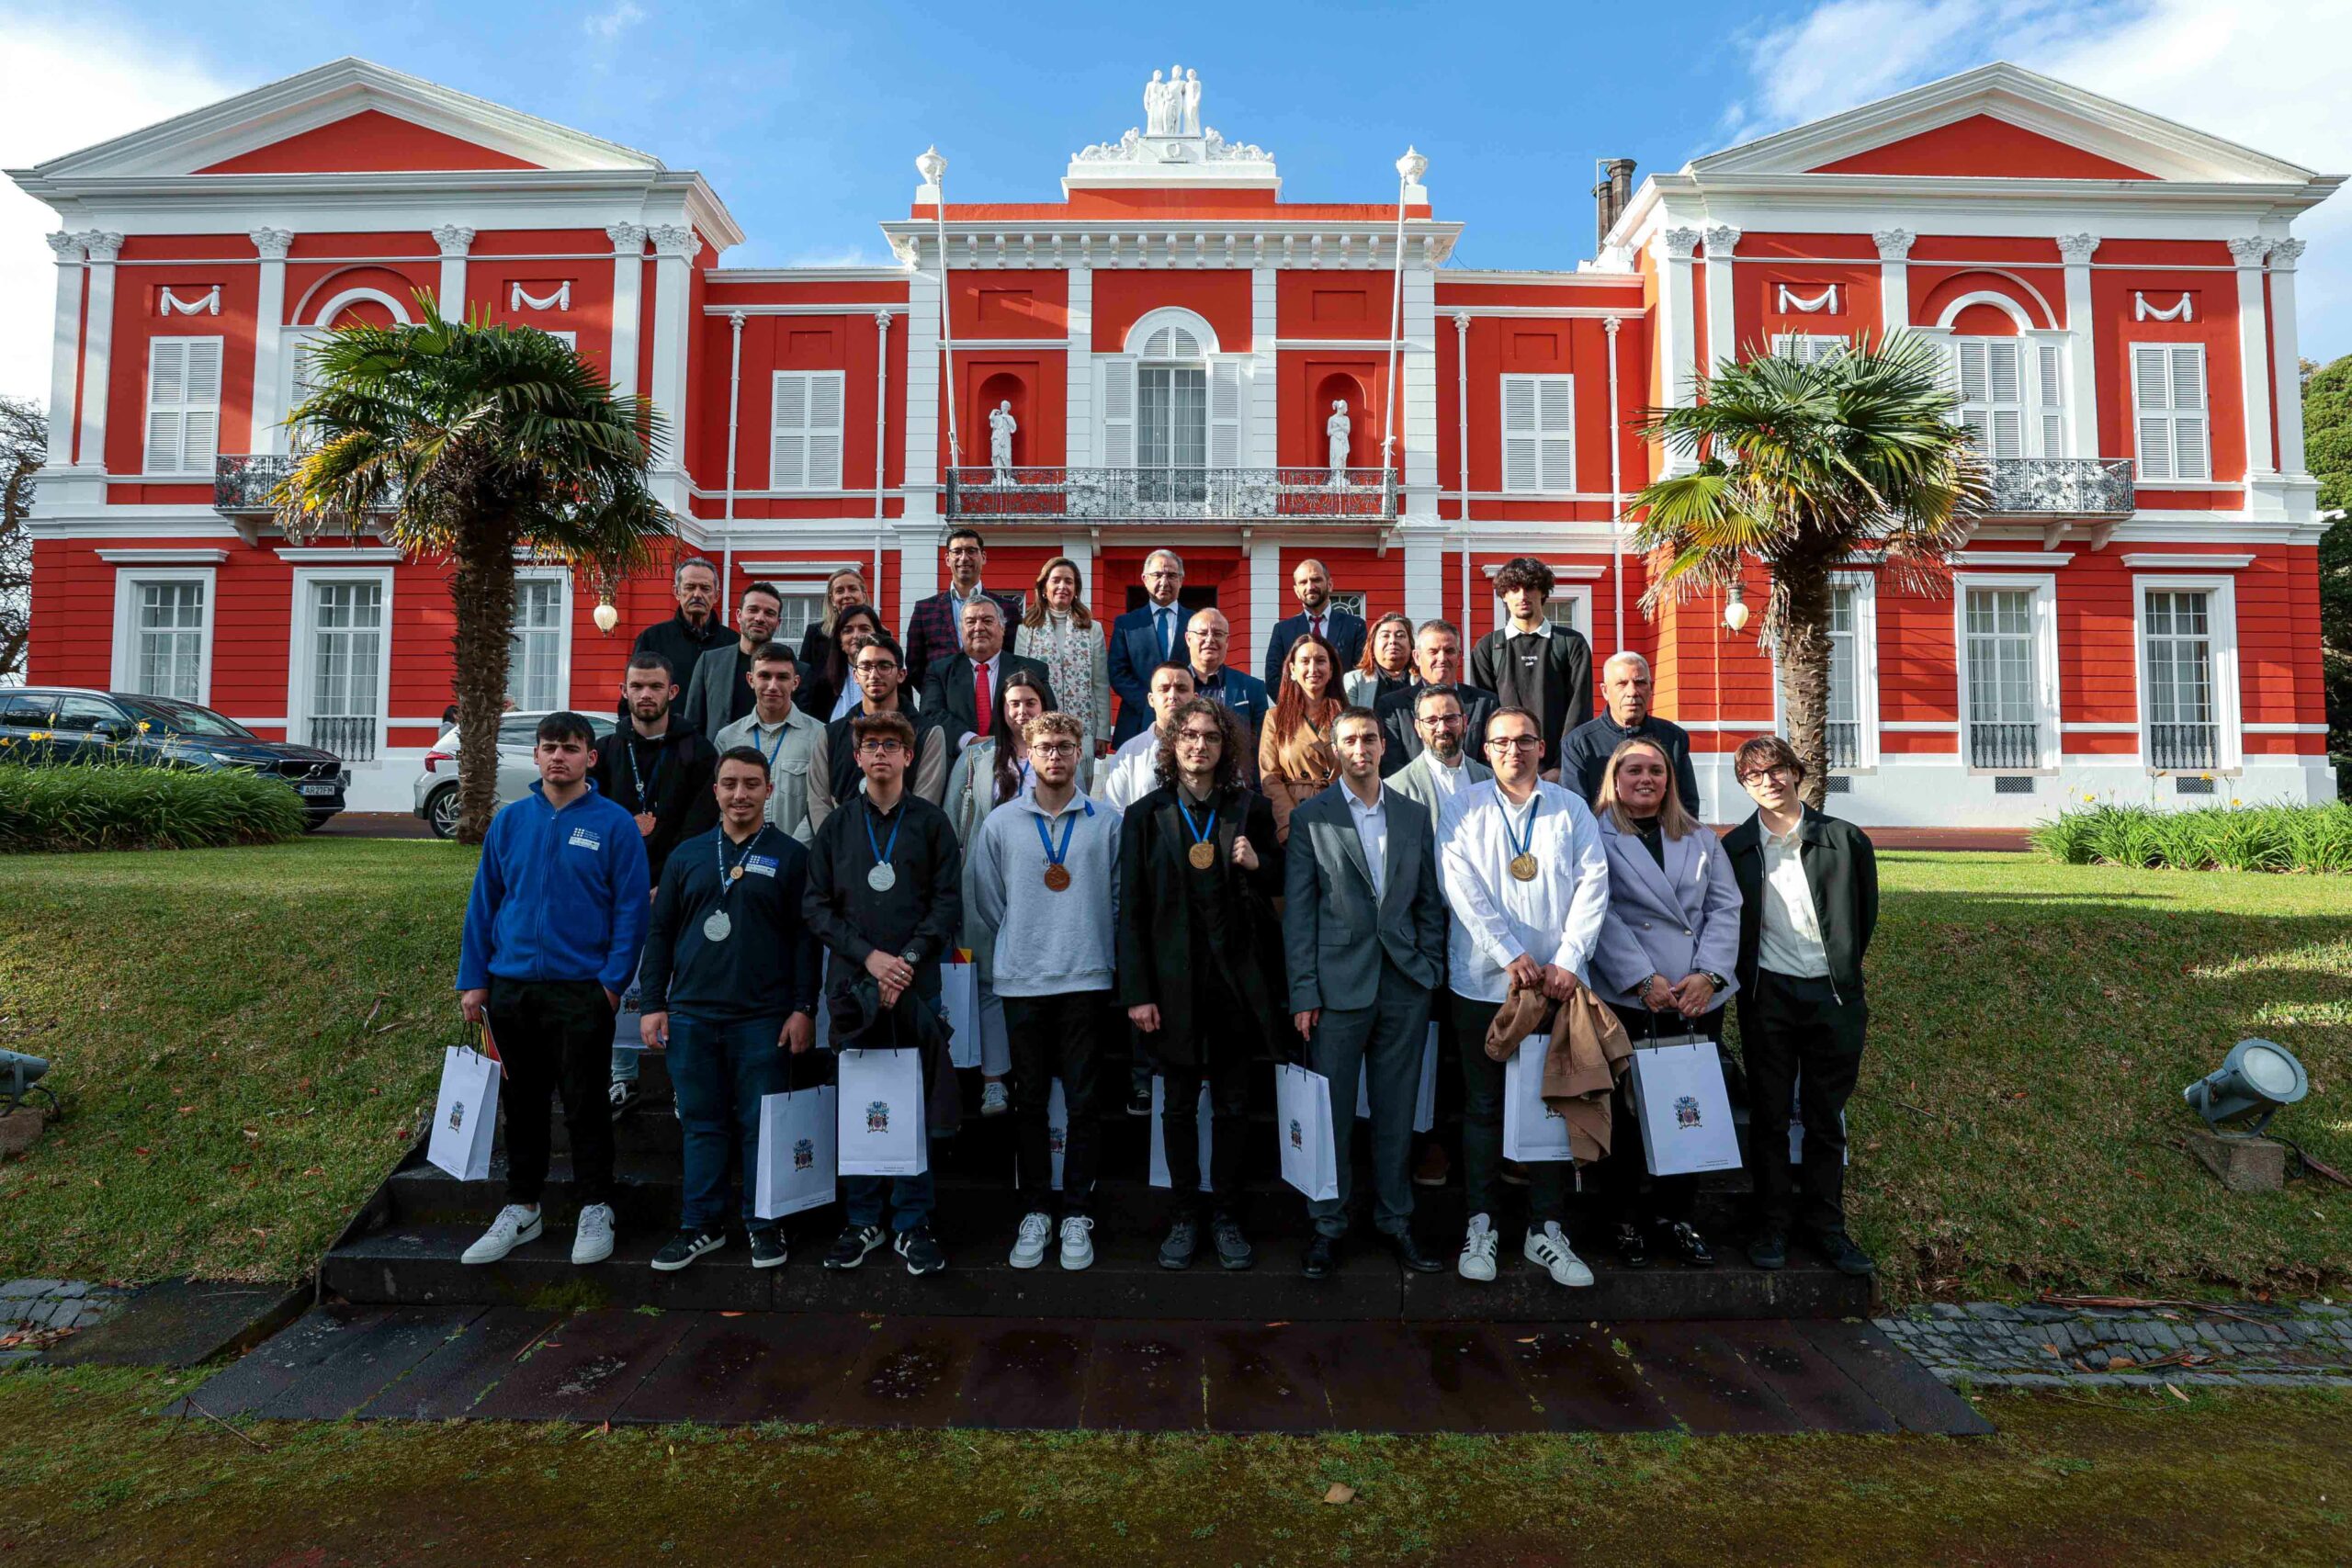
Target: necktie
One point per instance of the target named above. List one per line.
(1166, 646)
(1317, 622)
(981, 695)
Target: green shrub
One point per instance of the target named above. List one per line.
(119, 807)
(2314, 839)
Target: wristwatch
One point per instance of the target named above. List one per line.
(1717, 981)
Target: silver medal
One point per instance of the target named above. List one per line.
(716, 928)
(882, 878)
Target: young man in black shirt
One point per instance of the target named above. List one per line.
(886, 897)
(1531, 662)
(729, 982)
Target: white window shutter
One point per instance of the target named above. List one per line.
(167, 374)
(183, 404)
(201, 424)
(2151, 403)
(1522, 468)
(1224, 413)
(788, 433)
(1116, 375)
(2191, 457)
(2052, 387)
(1556, 407)
(825, 430)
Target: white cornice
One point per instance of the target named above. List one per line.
(876, 274)
(1170, 240)
(1490, 276)
(2159, 560)
(164, 558)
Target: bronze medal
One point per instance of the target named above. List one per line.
(736, 874)
(1522, 866)
(1203, 855)
(1057, 877)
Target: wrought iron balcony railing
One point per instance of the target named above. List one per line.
(1207, 495)
(241, 481)
(2011, 746)
(2184, 748)
(2061, 487)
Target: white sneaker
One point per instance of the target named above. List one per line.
(516, 1223)
(1477, 1261)
(591, 1241)
(1548, 1249)
(1078, 1246)
(1029, 1247)
(994, 1101)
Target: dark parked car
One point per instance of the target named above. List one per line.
(63, 725)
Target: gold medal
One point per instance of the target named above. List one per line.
(1203, 855)
(1057, 877)
(1523, 867)
(736, 874)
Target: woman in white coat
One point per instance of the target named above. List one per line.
(989, 773)
(1058, 630)
(1669, 948)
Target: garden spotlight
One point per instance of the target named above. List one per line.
(2255, 1078)
(17, 1074)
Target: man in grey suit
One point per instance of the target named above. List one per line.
(1363, 931)
(718, 689)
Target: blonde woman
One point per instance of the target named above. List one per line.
(985, 776)
(1058, 629)
(1296, 762)
(843, 587)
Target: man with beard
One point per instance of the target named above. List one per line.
(1437, 662)
(1312, 586)
(719, 691)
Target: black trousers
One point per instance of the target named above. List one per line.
(1798, 1037)
(1228, 1077)
(1620, 1177)
(556, 1038)
(1482, 1127)
(1055, 1037)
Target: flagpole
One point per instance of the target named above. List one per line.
(1409, 170)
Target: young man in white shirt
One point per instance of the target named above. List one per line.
(783, 732)
(1528, 882)
(1134, 770)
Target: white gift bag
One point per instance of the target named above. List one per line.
(959, 996)
(1531, 1130)
(465, 1116)
(1159, 1177)
(1303, 1122)
(880, 1113)
(798, 1133)
(1685, 1112)
(627, 1018)
(1424, 1097)
(1056, 1134)
(1796, 1125)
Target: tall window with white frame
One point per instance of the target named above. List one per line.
(535, 651)
(2004, 717)
(167, 639)
(1844, 728)
(347, 659)
(1992, 393)
(2184, 731)
(1171, 418)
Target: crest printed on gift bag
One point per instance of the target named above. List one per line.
(1298, 1134)
(804, 1153)
(1054, 1136)
(457, 1117)
(878, 1116)
(1686, 1111)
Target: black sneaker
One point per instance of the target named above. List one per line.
(1838, 1250)
(1183, 1240)
(850, 1248)
(1682, 1239)
(1633, 1251)
(767, 1248)
(684, 1247)
(921, 1251)
(622, 1097)
(1232, 1248)
(1139, 1100)
(1768, 1249)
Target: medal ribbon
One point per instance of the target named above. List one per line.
(725, 881)
(1054, 856)
(783, 733)
(1526, 840)
(647, 780)
(882, 852)
(1199, 834)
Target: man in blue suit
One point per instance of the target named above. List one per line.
(1343, 631)
(1207, 638)
(1143, 640)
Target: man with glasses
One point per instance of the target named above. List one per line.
(1528, 882)
(1208, 639)
(959, 692)
(1437, 662)
(935, 628)
(1145, 638)
(834, 773)
(1200, 961)
(1808, 886)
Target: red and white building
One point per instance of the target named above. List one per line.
(2140, 620)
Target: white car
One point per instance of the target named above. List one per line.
(437, 786)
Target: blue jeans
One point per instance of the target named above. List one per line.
(720, 1070)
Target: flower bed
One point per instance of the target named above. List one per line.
(2316, 839)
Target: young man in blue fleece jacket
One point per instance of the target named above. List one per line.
(553, 934)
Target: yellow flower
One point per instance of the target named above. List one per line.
(142, 727)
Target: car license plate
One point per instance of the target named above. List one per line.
(320, 788)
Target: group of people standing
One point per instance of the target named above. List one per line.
(1313, 866)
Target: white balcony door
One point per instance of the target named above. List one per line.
(534, 655)
(2002, 651)
(342, 648)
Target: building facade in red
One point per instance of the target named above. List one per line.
(2139, 619)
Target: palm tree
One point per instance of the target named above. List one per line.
(1804, 465)
(469, 442)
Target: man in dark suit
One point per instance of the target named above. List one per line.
(1208, 638)
(719, 691)
(1437, 662)
(1343, 631)
(935, 629)
(1144, 639)
(959, 692)
(693, 630)
(1364, 934)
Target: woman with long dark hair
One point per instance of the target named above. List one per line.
(831, 692)
(989, 773)
(1387, 663)
(1296, 763)
(1058, 630)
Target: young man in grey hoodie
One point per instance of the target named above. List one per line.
(1044, 888)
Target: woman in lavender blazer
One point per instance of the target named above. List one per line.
(1669, 948)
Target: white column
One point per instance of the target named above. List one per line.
(2254, 352)
(1077, 438)
(1677, 331)
(2081, 349)
(1265, 603)
(455, 239)
(674, 250)
(65, 347)
(1418, 365)
(1894, 278)
(628, 301)
(270, 381)
(1262, 434)
(2289, 379)
(97, 346)
(1722, 333)
(917, 531)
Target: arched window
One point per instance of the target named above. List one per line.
(1171, 348)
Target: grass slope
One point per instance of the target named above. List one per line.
(2033, 1024)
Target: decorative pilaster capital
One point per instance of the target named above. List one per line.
(673, 240)
(455, 239)
(735, 322)
(67, 247)
(2076, 250)
(882, 322)
(626, 238)
(1461, 321)
(1610, 325)
(102, 244)
(1681, 244)
(1721, 239)
(1894, 245)
(2285, 252)
(2249, 249)
(273, 243)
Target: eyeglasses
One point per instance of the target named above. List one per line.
(1516, 742)
(1780, 770)
(1200, 736)
(1055, 749)
(1442, 721)
(876, 666)
(879, 748)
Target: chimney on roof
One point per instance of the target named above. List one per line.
(1611, 197)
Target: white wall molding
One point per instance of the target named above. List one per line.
(2167, 561)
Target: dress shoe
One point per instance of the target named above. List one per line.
(1410, 1254)
(1682, 1239)
(1322, 1255)
(1632, 1250)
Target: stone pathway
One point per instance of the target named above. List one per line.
(1988, 1345)
(37, 1313)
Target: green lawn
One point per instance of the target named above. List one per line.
(232, 1102)
(2142, 1478)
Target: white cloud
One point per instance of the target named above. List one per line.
(610, 23)
(63, 88)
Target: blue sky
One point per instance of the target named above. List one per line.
(807, 118)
